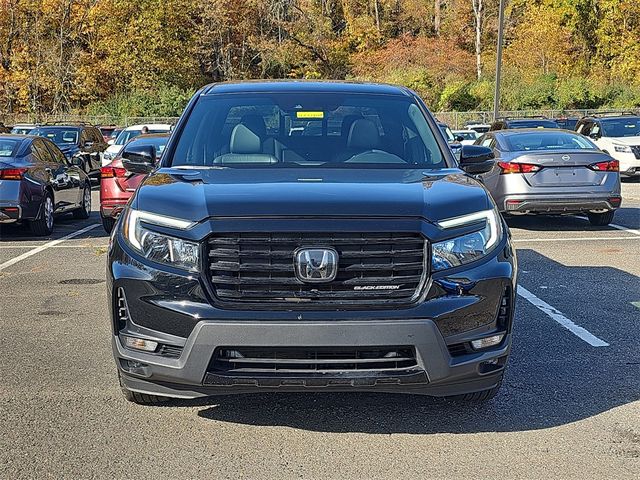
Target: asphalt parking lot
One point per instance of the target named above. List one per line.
(569, 408)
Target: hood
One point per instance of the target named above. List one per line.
(630, 141)
(228, 192)
(113, 149)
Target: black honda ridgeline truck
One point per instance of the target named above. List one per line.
(310, 236)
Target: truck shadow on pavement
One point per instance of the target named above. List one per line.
(554, 378)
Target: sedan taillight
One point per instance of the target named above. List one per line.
(12, 173)
(110, 172)
(610, 166)
(512, 167)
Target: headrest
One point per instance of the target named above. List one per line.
(363, 134)
(347, 121)
(255, 123)
(244, 140)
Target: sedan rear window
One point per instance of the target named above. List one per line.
(7, 147)
(547, 141)
(310, 130)
(532, 124)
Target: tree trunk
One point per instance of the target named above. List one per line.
(478, 14)
(436, 16)
(377, 13)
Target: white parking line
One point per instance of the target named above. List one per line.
(571, 239)
(619, 227)
(25, 247)
(552, 312)
(50, 244)
(630, 230)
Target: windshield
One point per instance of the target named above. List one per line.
(446, 131)
(466, 134)
(126, 135)
(158, 142)
(547, 141)
(567, 123)
(59, 136)
(532, 124)
(21, 130)
(7, 147)
(310, 130)
(622, 127)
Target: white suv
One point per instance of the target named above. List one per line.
(619, 136)
(127, 134)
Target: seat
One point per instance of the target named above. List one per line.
(245, 147)
(363, 136)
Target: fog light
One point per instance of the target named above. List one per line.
(136, 368)
(140, 344)
(487, 342)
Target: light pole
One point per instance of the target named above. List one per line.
(496, 94)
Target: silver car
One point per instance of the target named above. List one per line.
(552, 171)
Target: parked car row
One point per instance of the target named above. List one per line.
(46, 170)
(558, 166)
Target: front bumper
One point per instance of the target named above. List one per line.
(630, 172)
(436, 373)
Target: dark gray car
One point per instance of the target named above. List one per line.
(552, 171)
(37, 182)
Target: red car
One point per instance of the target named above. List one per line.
(117, 184)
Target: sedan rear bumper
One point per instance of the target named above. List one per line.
(523, 204)
(10, 212)
(112, 208)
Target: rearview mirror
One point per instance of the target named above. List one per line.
(139, 159)
(475, 159)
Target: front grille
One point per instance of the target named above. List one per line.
(636, 151)
(310, 360)
(373, 268)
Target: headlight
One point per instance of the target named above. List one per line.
(467, 248)
(157, 246)
(622, 148)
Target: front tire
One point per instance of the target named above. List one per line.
(108, 223)
(478, 397)
(601, 219)
(85, 206)
(43, 226)
(140, 398)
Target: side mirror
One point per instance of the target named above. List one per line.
(475, 159)
(77, 161)
(139, 159)
(459, 138)
(88, 144)
(111, 141)
(594, 136)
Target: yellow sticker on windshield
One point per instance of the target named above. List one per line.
(309, 114)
